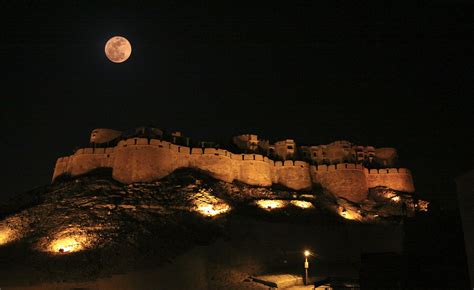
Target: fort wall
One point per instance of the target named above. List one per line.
(61, 167)
(217, 165)
(144, 160)
(345, 180)
(293, 174)
(394, 178)
(83, 161)
(255, 172)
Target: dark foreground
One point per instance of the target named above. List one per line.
(154, 236)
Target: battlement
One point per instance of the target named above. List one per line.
(388, 171)
(139, 159)
(340, 166)
(81, 151)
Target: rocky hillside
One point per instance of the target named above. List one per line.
(92, 226)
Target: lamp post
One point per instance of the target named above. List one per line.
(306, 266)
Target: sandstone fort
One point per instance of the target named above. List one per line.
(147, 154)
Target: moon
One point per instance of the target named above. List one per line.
(118, 49)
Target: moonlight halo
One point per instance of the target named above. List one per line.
(118, 49)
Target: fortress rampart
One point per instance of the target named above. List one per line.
(144, 160)
(395, 178)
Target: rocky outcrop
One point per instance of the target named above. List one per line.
(123, 227)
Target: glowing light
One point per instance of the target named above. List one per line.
(209, 205)
(11, 229)
(269, 204)
(68, 241)
(349, 214)
(302, 203)
(6, 235)
(69, 244)
(422, 205)
(307, 253)
(390, 194)
(118, 49)
(213, 209)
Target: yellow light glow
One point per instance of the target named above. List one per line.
(68, 241)
(68, 244)
(307, 253)
(11, 229)
(422, 205)
(302, 203)
(396, 198)
(209, 205)
(213, 209)
(269, 204)
(348, 214)
(6, 235)
(390, 194)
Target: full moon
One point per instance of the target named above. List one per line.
(118, 49)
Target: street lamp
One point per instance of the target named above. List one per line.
(306, 266)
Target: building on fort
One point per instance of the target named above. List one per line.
(346, 152)
(246, 142)
(284, 149)
(146, 154)
(338, 152)
(104, 136)
(250, 143)
(177, 137)
(333, 153)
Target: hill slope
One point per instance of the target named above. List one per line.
(92, 227)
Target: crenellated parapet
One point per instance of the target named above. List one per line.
(144, 160)
(394, 178)
(84, 160)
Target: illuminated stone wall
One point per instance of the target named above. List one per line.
(254, 170)
(216, 162)
(84, 160)
(144, 160)
(293, 174)
(345, 180)
(395, 178)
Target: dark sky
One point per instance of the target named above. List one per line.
(383, 74)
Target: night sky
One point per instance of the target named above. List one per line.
(383, 74)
